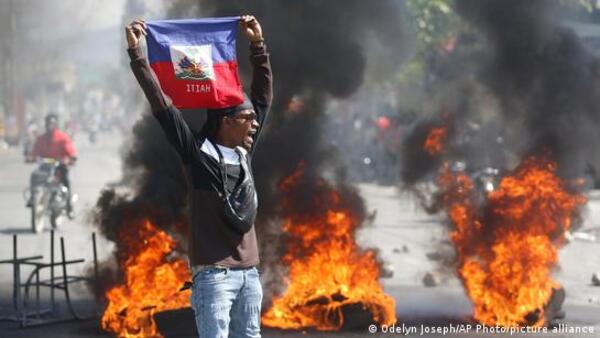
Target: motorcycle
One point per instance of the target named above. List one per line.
(47, 196)
(486, 179)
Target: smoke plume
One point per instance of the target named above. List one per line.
(543, 77)
(318, 52)
(527, 86)
(529, 75)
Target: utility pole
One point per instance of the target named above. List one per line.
(4, 52)
(14, 99)
(8, 90)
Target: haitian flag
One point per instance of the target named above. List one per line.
(195, 61)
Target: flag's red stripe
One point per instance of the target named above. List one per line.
(224, 91)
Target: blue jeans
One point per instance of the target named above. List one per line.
(227, 303)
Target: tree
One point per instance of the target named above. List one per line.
(435, 22)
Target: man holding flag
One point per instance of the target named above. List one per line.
(195, 63)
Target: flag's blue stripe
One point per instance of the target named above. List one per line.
(219, 32)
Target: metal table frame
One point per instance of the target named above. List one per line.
(31, 317)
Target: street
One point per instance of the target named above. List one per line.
(401, 231)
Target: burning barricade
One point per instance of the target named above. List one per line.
(332, 283)
(506, 251)
(506, 243)
(152, 282)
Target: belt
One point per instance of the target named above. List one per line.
(197, 268)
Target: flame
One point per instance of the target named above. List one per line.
(327, 269)
(152, 282)
(434, 144)
(506, 251)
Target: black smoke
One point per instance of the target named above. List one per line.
(318, 51)
(541, 78)
(527, 85)
(152, 188)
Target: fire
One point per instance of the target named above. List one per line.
(506, 251)
(152, 282)
(327, 269)
(434, 144)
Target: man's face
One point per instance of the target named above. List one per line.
(51, 124)
(241, 127)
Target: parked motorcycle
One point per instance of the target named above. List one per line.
(47, 195)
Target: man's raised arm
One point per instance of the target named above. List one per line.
(179, 134)
(262, 79)
(261, 91)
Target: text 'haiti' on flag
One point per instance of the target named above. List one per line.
(195, 61)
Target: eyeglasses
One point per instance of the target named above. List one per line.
(247, 117)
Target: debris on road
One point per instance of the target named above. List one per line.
(404, 249)
(431, 280)
(581, 236)
(434, 256)
(387, 270)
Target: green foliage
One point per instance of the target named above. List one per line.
(589, 5)
(435, 21)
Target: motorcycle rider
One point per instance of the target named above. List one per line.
(57, 145)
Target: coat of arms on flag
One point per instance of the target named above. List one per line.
(195, 61)
(192, 62)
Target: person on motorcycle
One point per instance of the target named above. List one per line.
(57, 145)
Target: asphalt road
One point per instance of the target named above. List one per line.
(399, 223)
